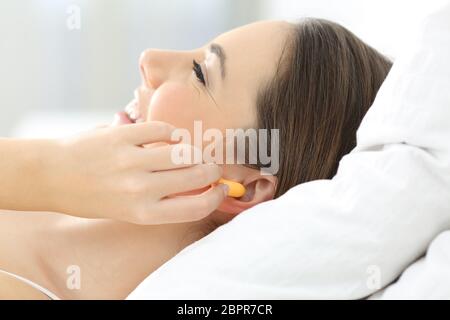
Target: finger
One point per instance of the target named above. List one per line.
(145, 133)
(189, 208)
(167, 157)
(187, 179)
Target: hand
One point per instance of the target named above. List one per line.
(108, 174)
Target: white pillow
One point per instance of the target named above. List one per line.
(427, 278)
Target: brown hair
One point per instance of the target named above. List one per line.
(324, 85)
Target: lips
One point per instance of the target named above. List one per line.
(121, 118)
(137, 109)
(133, 111)
(130, 115)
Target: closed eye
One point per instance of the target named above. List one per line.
(201, 78)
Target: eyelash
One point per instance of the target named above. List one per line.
(198, 72)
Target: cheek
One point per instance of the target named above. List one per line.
(177, 104)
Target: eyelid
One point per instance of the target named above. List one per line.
(207, 87)
(206, 77)
(205, 72)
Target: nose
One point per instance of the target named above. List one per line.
(157, 66)
(151, 71)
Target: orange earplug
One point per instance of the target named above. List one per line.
(235, 189)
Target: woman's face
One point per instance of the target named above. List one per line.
(219, 88)
(218, 85)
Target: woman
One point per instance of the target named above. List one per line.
(313, 81)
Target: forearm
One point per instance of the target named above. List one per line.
(24, 168)
(106, 174)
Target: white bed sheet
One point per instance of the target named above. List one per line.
(427, 278)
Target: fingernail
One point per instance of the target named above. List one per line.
(225, 189)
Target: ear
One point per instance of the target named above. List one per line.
(259, 188)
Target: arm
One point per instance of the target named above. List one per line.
(108, 171)
(323, 239)
(22, 172)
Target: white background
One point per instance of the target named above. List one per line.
(55, 81)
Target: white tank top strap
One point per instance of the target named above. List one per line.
(48, 293)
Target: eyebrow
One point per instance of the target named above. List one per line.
(220, 53)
